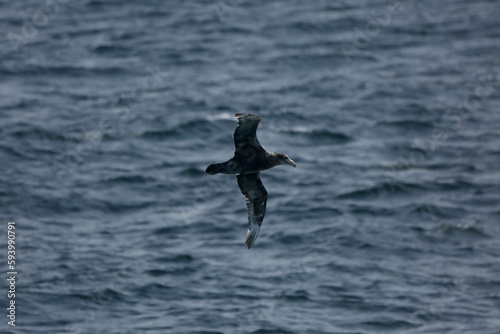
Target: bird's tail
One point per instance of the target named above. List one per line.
(252, 234)
(214, 169)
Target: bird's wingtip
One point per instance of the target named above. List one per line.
(247, 116)
(252, 236)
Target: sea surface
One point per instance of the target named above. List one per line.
(111, 110)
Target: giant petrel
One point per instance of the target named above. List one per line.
(249, 159)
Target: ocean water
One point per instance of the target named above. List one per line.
(111, 110)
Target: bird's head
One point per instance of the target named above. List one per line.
(285, 159)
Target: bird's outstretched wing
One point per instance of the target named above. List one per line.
(256, 198)
(245, 137)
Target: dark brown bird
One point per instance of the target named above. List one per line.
(249, 159)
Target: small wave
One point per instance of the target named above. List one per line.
(192, 171)
(104, 49)
(227, 29)
(39, 133)
(388, 324)
(222, 116)
(372, 211)
(407, 124)
(158, 134)
(64, 70)
(288, 239)
(156, 13)
(129, 179)
(320, 136)
(300, 129)
(177, 271)
(272, 331)
(297, 296)
(10, 151)
(105, 295)
(454, 185)
(152, 289)
(22, 103)
(183, 258)
(182, 130)
(117, 207)
(304, 26)
(462, 229)
(96, 3)
(384, 188)
(435, 210)
(169, 230)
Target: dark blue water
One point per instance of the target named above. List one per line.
(111, 110)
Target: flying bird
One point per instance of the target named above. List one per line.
(248, 161)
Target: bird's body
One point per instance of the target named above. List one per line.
(248, 161)
(245, 164)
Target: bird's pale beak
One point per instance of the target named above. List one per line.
(291, 162)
